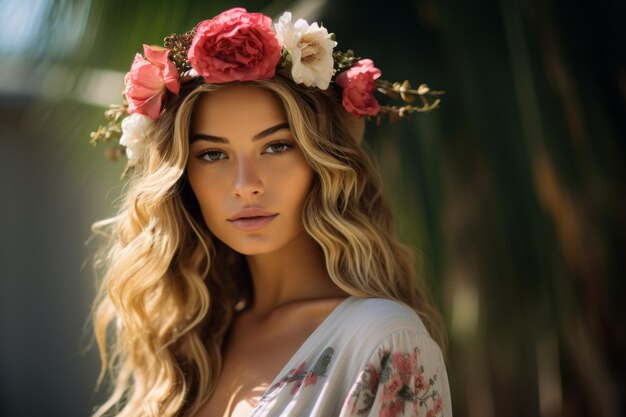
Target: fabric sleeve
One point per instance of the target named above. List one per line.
(405, 376)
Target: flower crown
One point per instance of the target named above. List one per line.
(240, 46)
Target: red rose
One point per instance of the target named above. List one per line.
(147, 81)
(235, 46)
(358, 88)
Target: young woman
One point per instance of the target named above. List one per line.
(253, 268)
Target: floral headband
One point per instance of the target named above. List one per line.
(240, 46)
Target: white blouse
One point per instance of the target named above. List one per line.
(369, 357)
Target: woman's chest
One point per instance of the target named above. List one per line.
(250, 365)
(244, 379)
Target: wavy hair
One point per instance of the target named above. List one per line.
(163, 307)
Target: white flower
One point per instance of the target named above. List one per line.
(134, 130)
(310, 48)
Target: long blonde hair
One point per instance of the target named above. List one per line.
(169, 288)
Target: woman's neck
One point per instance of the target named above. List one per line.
(296, 272)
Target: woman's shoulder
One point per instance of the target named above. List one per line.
(378, 318)
(392, 366)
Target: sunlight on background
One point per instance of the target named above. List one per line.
(38, 28)
(35, 37)
(20, 24)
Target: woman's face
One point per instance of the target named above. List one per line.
(243, 155)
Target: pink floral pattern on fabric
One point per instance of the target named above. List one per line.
(302, 376)
(400, 382)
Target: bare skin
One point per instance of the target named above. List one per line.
(258, 349)
(293, 292)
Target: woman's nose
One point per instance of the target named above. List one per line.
(247, 180)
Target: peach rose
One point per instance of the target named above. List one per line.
(235, 46)
(147, 81)
(358, 88)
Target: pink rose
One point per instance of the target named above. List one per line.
(404, 362)
(300, 370)
(438, 405)
(419, 383)
(358, 88)
(392, 409)
(296, 387)
(392, 387)
(147, 81)
(310, 379)
(235, 46)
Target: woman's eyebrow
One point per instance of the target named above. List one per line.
(258, 136)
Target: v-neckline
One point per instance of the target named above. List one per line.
(292, 360)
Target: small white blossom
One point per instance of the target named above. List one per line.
(310, 48)
(423, 89)
(134, 130)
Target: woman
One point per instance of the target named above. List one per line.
(253, 268)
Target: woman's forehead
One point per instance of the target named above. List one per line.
(237, 109)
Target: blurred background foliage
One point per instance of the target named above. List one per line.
(513, 190)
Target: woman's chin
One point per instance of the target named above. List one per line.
(253, 248)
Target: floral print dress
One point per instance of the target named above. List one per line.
(370, 357)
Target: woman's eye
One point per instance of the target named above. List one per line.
(211, 156)
(279, 147)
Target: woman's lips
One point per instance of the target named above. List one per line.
(252, 223)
